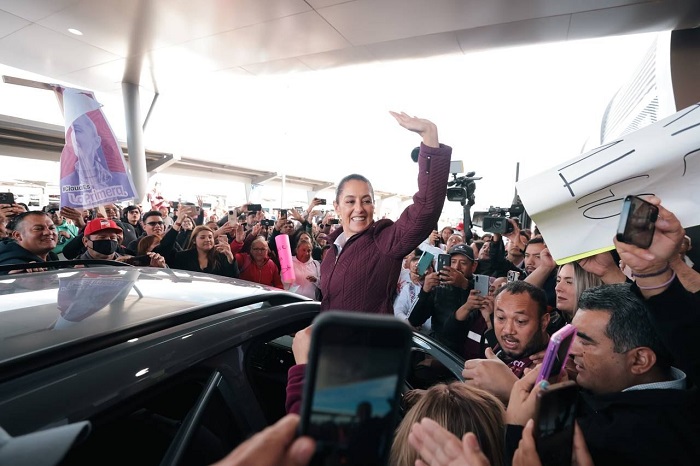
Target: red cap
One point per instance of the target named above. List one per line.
(460, 226)
(100, 224)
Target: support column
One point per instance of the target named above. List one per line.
(134, 138)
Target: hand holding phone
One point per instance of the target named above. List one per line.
(557, 352)
(637, 222)
(357, 365)
(555, 415)
(481, 284)
(425, 261)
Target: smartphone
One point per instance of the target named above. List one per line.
(637, 219)
(426, 259)
(557, 352)
(138, 261)
(357, 366)
(512, 276)
(7, 198)
(555, 414)
(283, 213)
(333, 221)
(299, 209)
(254, 207)
(267, 223)
(481, 283)
(443, 260)
(321, 201)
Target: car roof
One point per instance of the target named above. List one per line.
(53, 315)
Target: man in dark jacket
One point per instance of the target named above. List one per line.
(442, 294)
(34, 238)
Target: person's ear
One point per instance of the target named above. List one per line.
(545, 321)
(641, 360)
(17, 236)
(85, 240)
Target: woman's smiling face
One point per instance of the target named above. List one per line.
(355, 207)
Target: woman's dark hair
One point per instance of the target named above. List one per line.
(213, 256)
(352, 177)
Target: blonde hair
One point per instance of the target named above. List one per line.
(582, 281)
(458, 408)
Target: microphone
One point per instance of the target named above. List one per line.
(414, 154)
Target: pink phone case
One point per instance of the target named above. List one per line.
(553, 348)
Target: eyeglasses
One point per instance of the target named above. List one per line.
(155, 223)
(258, 249)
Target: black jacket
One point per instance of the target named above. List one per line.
(187, 260)
(12, 253)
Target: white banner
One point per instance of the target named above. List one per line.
(576, 205)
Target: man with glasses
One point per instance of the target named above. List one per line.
(152, 225)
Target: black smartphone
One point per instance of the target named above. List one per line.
(138, 261)
(357, 366)
(254, 207)
(555, 414)
(321, 201)
(283, 213)
(333, 221)
(637, 219)
(443, 260)
(7, 198)
(267, 223)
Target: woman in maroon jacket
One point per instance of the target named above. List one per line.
(362, 268)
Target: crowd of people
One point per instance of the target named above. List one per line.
(636, 312)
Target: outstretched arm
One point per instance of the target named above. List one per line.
(420, 218)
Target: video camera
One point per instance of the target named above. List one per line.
(461, 188)
(497, 219)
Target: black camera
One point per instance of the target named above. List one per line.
(497, 219)
(461, 189)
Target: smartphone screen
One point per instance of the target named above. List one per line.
(424, 262)
(637, 219)
(254, 207)
(283, 213)
(481, 283)
(443, 261)
(554, 423)
(557, 352)
(7, 198)
(357, 365)
(513, 275)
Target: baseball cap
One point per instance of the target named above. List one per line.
(462, 249)
(100, 224)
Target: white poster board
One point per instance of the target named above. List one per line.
(576, 205)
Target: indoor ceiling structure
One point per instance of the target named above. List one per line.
(161, 45)
(154, 43)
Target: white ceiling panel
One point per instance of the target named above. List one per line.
(47, 52)
(288, 65)
(336, 58)
(34, 10)
(647, 17)
(551, 29)
(424, 46)
(10, 23)
(368, 21)
(287, 37)
(316, 4)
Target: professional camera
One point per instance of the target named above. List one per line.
(461, 189)
(497, 219)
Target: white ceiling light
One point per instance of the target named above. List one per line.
(75, 31)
